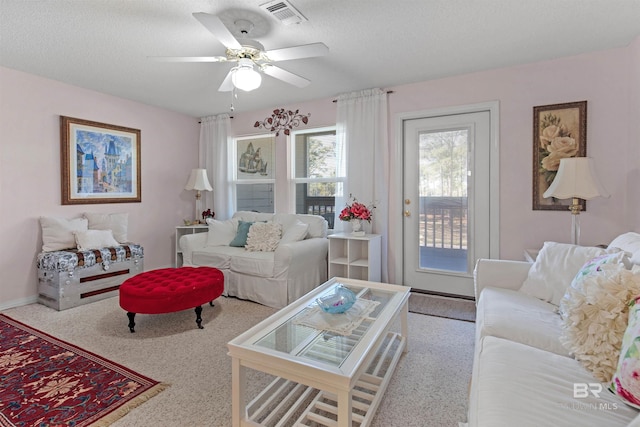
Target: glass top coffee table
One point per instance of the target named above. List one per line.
(322, 377)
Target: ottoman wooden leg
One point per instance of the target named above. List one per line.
(198, 317)
(131, 316)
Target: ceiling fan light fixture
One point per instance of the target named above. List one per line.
(245, 77)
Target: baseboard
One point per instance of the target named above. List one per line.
(443, 294)
(18, 302)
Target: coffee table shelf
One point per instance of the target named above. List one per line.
(322, 378)
(286, 403)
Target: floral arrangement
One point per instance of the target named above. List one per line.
(556, 143)
(208, 214)
(356, 210)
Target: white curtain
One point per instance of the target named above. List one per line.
(363, 154)
(214, 152)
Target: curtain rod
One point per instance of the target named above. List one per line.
(388, 92)
(200, 121)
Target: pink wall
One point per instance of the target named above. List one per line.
(30, 107)
(604, 79)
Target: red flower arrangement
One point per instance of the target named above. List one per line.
(356, 210)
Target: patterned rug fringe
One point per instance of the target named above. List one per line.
(129, 406)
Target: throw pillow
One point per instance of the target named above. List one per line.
(221, 233)
(596, 309)
(626, 380)
(95, 239)
(240, 239)
(295, 232)
(555, 266)
(57, 233)
(118, 223)
(264, 236)
(628, 242)
(588, 269)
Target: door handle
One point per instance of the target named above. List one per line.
(407, 213)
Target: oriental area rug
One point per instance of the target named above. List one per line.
(48, 382)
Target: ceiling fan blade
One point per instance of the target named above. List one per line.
(217, 28)
(189, 58)
(227, 84)
(285, 75)
(297, 52)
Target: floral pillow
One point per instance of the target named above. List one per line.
(626, 380)
(596, 309)
(264, 236)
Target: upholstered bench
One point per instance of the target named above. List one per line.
(168, 290)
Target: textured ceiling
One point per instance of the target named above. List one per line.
(104, 44)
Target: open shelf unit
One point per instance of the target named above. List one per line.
(182, 230)
(355, 257)
(287, 403)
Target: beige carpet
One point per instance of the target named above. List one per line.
(428, 388)
(450, 308)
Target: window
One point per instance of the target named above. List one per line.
(254, 173)
(314, 169)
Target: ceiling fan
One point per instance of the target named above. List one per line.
(249, 54)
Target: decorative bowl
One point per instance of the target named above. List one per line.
(340, 301)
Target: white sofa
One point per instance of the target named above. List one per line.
(274, 279)
(522, 373)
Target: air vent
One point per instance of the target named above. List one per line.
(284, 12)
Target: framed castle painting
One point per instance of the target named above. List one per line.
(100, 163)
(559, 131)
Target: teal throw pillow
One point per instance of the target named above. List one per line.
(241, 235)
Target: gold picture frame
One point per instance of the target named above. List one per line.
(100, 162)
(559, 131)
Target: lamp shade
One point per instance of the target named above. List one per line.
(198, 181)
(576, 178)
(245, 77)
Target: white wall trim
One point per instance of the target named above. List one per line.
(493, 107)
(18, 302)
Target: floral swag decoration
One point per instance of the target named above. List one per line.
(283, 120)
(556, 143)
(356, 211)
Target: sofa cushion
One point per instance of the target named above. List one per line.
(517, 385)
(118, 223)
(240, 239)
(628, 242)
(513, 315)
(221, 233)
(626, 379)
(95, 239)
(264, 236)
(596, 309)
(294, 232)
(253, 263)
(555, 267)
(57, 233)
(215, 256)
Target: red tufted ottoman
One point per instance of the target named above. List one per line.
(170, 289)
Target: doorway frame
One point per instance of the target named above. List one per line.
(494, 173)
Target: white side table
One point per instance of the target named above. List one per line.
(182, 230)
(355, 257)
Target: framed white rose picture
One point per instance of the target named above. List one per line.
(559, 131)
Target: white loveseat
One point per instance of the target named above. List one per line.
(523, 375)
(273, 278)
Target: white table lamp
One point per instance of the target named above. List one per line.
(198, 181)
(576, 179)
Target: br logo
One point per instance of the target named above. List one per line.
(583, 390)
